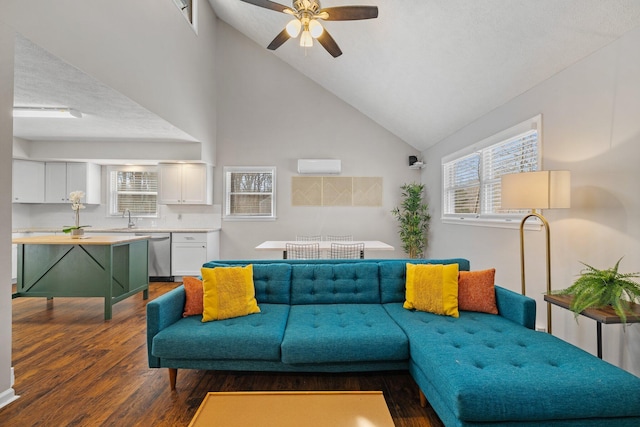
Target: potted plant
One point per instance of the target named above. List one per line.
(413, 215)
(77, 229)
(600, 288)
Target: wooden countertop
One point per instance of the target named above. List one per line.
(85, 240)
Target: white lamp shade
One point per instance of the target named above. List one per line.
(536, 190)
(315, 28)
(293, 28)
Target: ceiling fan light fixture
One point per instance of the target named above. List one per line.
(293, 28)
(308, 14)
(315, 28)
(305, 39)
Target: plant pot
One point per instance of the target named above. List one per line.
(77, 233)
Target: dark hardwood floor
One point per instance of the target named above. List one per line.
(73, 368)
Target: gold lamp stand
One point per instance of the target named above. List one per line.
(522, 274)
(536, 190)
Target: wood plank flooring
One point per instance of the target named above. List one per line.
(73, 368)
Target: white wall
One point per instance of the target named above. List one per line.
(590, 127)
(7, 393)
(271, 115)
(143, 49)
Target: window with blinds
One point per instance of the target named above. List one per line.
(134, 190)
(471, 178)
(250, 192)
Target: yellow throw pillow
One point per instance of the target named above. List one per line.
(432, 288)
(228, 292)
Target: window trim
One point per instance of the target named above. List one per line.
(189, 11)
(248, 169)
(129, 168)
(510, 220)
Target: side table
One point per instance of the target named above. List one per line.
(604, 315)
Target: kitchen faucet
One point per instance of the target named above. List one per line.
(131, 224)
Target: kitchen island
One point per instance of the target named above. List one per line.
(113, 267)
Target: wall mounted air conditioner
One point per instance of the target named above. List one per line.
(319, 166)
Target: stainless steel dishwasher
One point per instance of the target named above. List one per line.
(159, 256)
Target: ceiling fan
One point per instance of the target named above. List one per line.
(306, 14)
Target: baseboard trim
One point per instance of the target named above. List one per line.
(7, 397)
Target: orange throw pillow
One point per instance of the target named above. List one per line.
(476, 291)
(194, 296)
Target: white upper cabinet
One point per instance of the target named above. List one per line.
(185, 184)
(28, 181)
(51, 182)
(170, 184)
(63, 178)
(55, 187)
(85, 177)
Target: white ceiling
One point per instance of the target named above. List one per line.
(44, 80)
(426, 68)
(423, 69)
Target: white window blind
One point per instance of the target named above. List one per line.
(462, 185)
(135, 191)
(249, 192)
(517, 155)
(471, 180)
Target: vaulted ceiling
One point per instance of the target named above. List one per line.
(423, 69)
(426, 68)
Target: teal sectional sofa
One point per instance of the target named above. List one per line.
(339, 316)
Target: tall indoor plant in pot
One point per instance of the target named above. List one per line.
(413, 216)
(600, 288)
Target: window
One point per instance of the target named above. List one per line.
(250, 192)
(471, 178)
(133, 188)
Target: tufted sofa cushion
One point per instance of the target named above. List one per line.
(393, 276)
(488, 368)
(329, 333)
(254, 337)
(335, 284)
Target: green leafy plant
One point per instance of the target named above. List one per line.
(413, 215)
(599, 288)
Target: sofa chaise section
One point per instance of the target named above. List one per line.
(481, 369)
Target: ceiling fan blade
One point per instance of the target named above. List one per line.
(279, 40)
(269, 5)
(329, 44)
(350, 13)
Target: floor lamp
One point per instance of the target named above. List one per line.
(536, 190)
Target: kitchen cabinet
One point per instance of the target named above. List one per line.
(28, 181)
(63, 178)
(185, 184)
(190, 250)
(14, 252)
